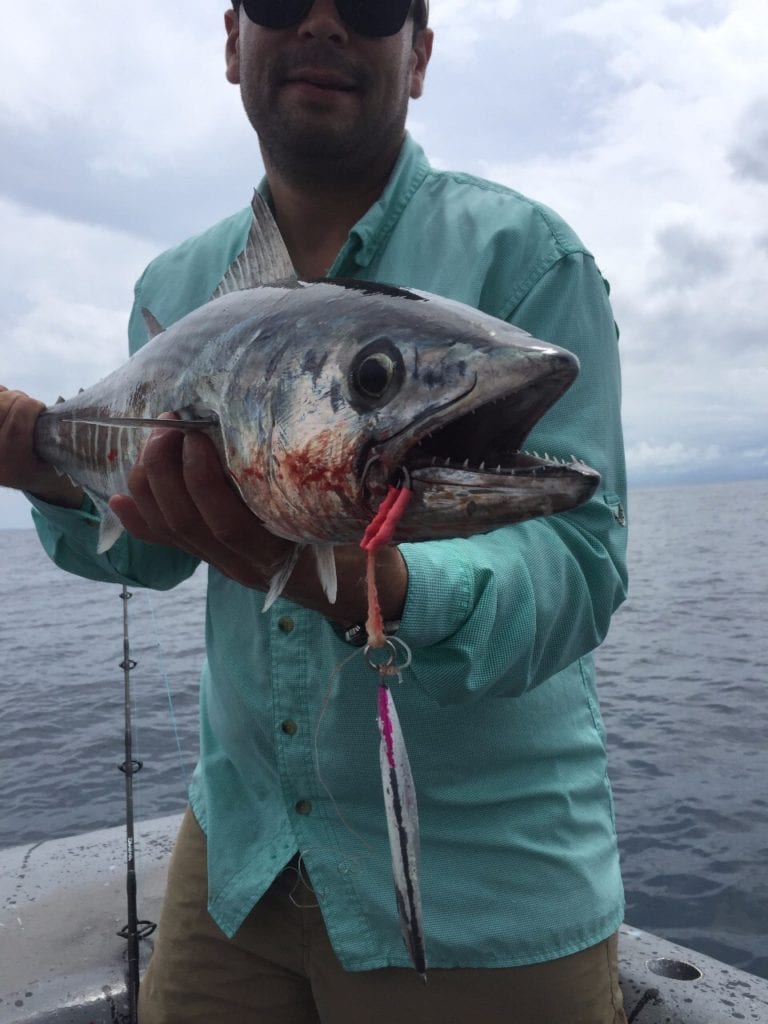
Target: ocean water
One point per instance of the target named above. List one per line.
(683, 682)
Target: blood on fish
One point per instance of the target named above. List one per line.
(312, 464)
(112, 454)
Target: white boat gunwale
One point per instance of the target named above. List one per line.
(63, 901)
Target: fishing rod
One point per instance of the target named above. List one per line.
(134, 930)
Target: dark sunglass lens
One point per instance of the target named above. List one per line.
(367, 17)
(276, 13)
(374, 17)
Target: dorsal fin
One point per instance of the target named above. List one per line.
(154, 327)
(264, 260)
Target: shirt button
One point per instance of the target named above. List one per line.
(303, 807)
(285, 624)
(289, 727)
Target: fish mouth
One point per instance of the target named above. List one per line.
(485, 445)
(471, 451)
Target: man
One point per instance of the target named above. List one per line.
(279, 904)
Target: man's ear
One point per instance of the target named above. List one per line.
(232, 49)
(422, 48)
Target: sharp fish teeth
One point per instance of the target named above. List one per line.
(482, 467)
(466, 464)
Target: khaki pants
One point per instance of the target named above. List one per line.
(280, 969)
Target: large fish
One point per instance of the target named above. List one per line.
(318, 394)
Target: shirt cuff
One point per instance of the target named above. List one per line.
(64, 517)
(439, 597)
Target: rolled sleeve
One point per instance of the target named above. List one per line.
(502, 612)
(70, 537)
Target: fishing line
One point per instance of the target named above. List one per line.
(182, 765)
(297, 868)
(301, 879)
(316, 748)
(378, 533)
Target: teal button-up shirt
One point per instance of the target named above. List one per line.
(499, 710)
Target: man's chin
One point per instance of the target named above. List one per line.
(310, 137)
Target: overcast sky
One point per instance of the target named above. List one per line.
(643, 122)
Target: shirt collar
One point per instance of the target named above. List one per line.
(373, 229)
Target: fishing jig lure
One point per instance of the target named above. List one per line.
(396, 777)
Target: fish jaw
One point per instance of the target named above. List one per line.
(458, 502)
(467, 466)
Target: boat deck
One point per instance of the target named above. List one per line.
(62, 903)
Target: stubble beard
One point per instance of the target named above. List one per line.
(318, 148)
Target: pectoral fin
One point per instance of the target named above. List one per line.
(326, 569)
(110, 527)
(154, 327)
(281, 577)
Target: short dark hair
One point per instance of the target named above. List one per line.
(419, 9)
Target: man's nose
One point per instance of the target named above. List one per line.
(323, 21)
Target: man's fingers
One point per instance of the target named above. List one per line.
(19, 465)
(226, 515)
(156, 485)
(181, 495)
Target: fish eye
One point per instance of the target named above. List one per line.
(376, 374)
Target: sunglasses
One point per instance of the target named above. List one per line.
(366, 17)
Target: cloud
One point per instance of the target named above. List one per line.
(115, 119)
(688, 258)
(681, 237)
(66, 289)
(644, 456)
(749, 154)
(643, 122)
(15, 511)
(462, 25)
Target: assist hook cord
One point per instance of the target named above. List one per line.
(134, 929)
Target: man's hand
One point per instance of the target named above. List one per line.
(20, 466)
(181, 496)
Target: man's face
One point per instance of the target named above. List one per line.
(322, 98)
